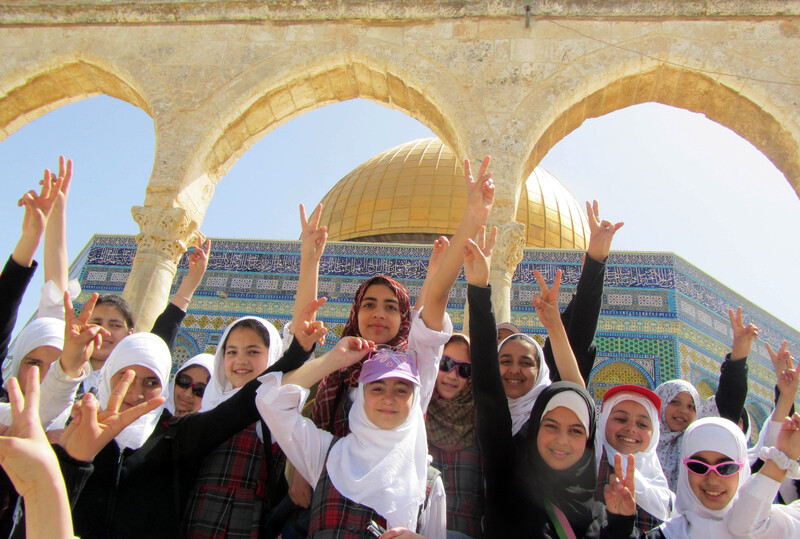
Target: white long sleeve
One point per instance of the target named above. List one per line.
(305, 445)
(428, 345)
(753, 515)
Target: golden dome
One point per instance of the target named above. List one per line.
(415, 192)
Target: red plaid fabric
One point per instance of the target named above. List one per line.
(644, 521)
(328, 412)
(335, 517)
(463, 482)
(228, 495)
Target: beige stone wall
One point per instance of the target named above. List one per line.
(217, 76)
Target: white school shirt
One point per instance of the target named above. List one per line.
(753, 514)
(306, 446)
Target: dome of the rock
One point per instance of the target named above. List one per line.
(415, 192)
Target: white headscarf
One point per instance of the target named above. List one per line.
(40, 332)
(149, 351)
(219, 388)
(695, 520)
(200, 360)
(383, 469)
(669, 444)
(520, 407)
(652, 491)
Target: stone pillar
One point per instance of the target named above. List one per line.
(165, 233)
(507, 254)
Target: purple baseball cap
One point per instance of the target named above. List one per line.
(389, 363)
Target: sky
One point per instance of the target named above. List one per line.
(680, 182)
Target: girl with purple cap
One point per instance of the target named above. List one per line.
(376, 477)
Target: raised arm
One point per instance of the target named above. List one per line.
(312, 246)
(480, 198)
(732, 390)
(440, 246)
(583, 311)
(786, 386)
(348, 351)
(56, 260)
(37, 210)
(546, 304)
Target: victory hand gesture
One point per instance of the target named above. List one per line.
(620, 492)
(313, 237)
(546, 301)
(742, 335)
(91, 428)
(306, 329)
(602, 232)
(478, 257)
(480, 195)
(81, 338)
(789, 437)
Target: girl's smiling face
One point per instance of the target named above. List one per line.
(519, 367)
(379, 315)
(388, 402)
(680, 412)
(246, 356)
(712, 490)
(186, 402)
(629, 429)
(562, 437)
(450, 384)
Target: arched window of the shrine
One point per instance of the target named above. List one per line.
(111, 143)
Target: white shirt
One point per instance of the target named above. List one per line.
(754, 515)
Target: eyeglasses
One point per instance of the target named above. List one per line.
(448, 364)
(388, 352)
(723, 469)
(184, 381)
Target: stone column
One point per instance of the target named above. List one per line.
(507, 254)
(165, 233)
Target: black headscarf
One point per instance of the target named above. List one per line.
(572, 489)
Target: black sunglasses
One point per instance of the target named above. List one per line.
(448, 364)
(184, 381)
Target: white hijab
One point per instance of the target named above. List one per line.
(219, 388)
(695, 520)
(520, 407)
(41, 332)
(149, 351)
(383, 469)
(200, 360)
(669, 444)
(652, 491)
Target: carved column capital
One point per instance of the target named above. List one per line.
(166, 231)
(509, 249)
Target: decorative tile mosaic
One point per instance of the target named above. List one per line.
(661, 317)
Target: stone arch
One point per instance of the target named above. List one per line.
(340, 77)
(616, 371)
(661, 84)
(59, 82)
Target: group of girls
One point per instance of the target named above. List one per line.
(414, 431)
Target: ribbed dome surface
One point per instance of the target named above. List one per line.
(415, 192)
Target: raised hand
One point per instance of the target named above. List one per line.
(478, 257)
(620, 492)
(780, 358)
(788, 381)
(742, 335)
(312, 236)
(480, 195)
(37, 209)
(789, 437)
(198, 258)
(306, 329)
(546, 301)
(440, 246)
(602, 232)
(25, 453)
(91, 428)
(81, 338)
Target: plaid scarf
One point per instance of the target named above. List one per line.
(328, 414)
(451, 422)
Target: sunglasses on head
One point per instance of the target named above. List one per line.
(723, 469)
(184, 381)
(448, 364)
